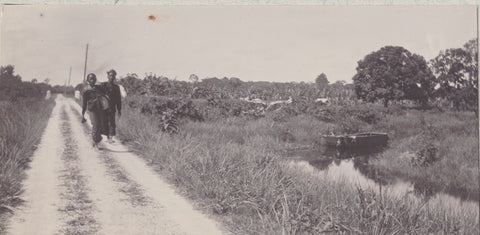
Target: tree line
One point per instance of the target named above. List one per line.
(390, 74)
(12, 87)
(393, 73)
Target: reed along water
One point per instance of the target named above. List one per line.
(353, 167)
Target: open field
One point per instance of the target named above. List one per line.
(233, 167)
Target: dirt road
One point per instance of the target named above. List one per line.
(72, 188)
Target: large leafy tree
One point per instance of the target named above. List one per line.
(11, 87)
(7, 72)
(393, 73)
(337, 89)
(456, 71)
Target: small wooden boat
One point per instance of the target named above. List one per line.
(358, 140)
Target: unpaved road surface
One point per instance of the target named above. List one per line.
(73, 188)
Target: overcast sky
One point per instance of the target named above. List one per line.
(253, 43)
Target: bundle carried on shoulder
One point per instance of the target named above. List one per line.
(99, 102)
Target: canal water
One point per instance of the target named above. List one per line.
(353, 167)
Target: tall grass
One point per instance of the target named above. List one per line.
(21, 127)
(429, 147)
(453, 137)
(233, 168)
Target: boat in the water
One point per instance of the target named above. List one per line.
(358, 140)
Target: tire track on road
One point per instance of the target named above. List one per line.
(116, 214)
(167, 204)
(78, 208)
(130, 188)
(73, 188)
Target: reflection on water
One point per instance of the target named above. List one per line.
(353, 166)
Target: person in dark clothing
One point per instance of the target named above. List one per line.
(115, 106)
(97, 115)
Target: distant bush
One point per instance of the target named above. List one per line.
(223, 108)
(282, 114)
(349, 125)
(428, 148)
(12, 88)
(322, 113)
(167, 111)
(347, 115)
(181, 108)
(367, 115)
(395, 110)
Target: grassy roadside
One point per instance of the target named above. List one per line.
(233, 169)
(21, 128)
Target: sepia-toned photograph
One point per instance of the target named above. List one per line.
(239, 119)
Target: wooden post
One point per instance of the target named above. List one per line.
(85, 68)
(67, 82)
(69, 76)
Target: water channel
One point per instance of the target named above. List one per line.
(353, 167)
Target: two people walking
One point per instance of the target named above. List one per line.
(102, 101)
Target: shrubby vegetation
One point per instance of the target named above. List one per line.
(233, 167)
(424, 135)
(398, 75)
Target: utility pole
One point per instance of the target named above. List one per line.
(67, 82)
(65, 88)
(69, 75)
(85, 68)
